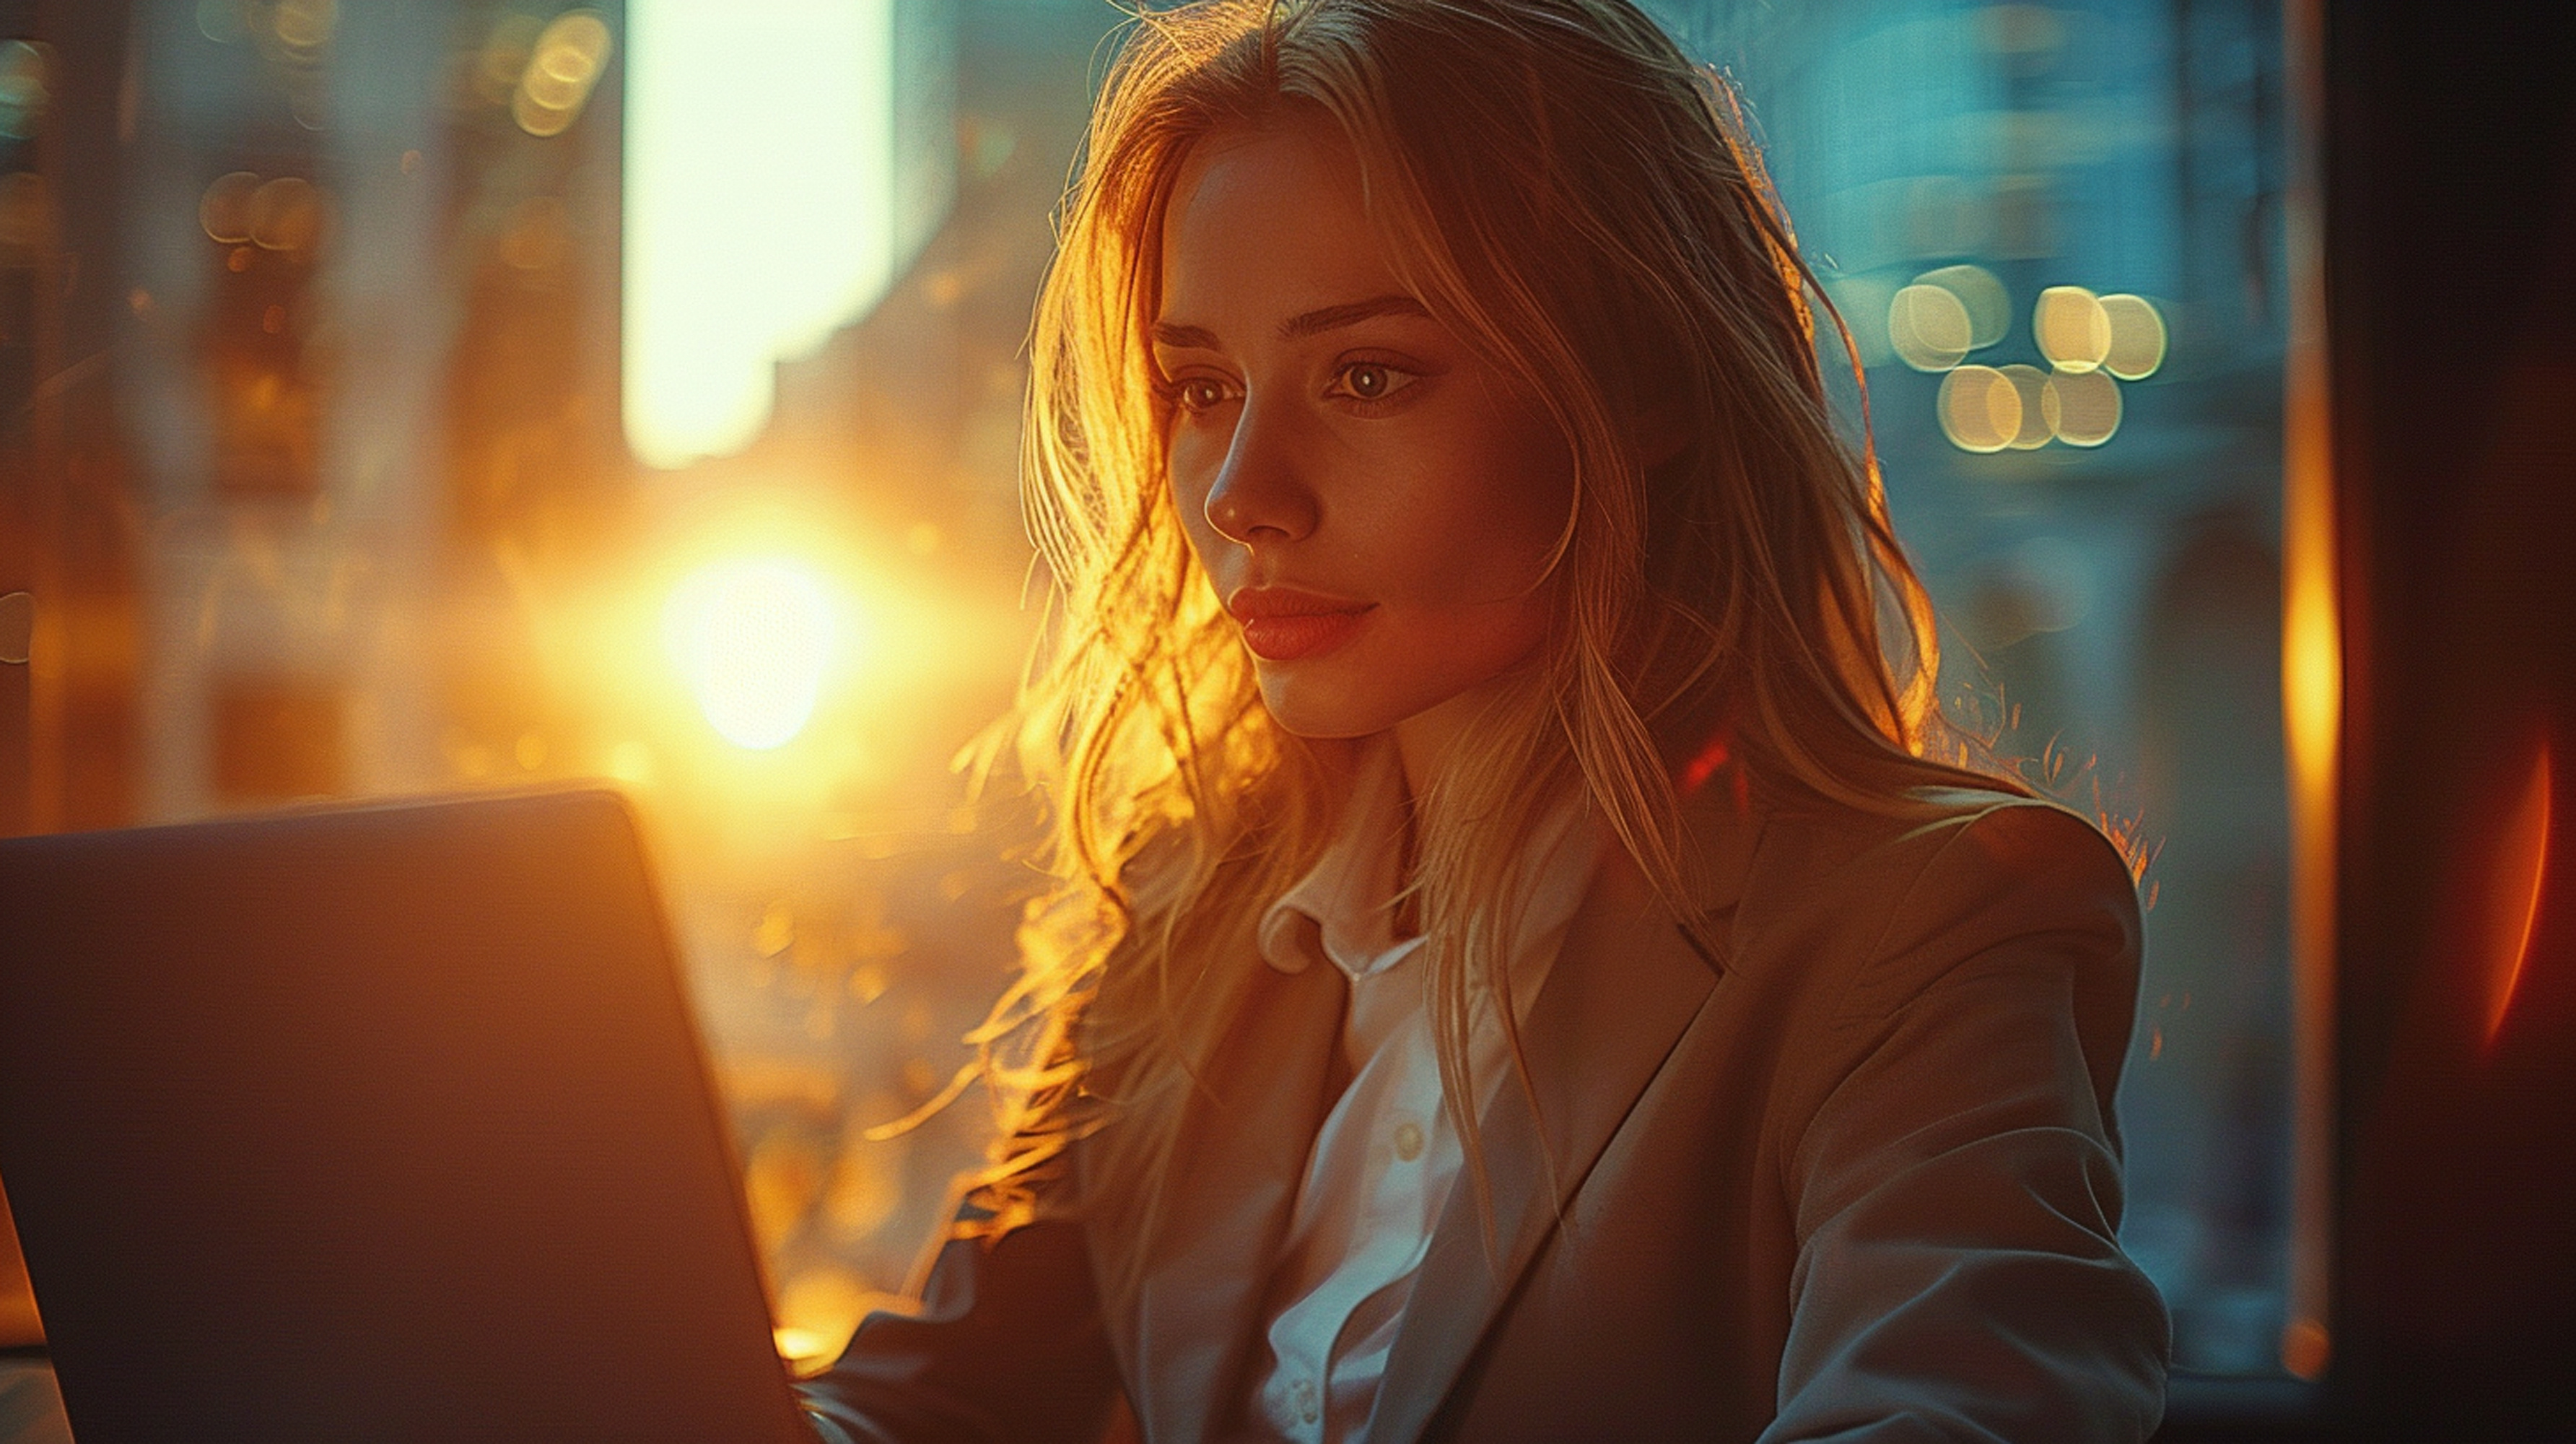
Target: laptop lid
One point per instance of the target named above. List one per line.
(382, 1123)
(19, 1326)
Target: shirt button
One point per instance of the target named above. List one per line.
(1303, 1394)
(1408, 1140)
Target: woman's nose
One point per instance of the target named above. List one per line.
(1259, 495)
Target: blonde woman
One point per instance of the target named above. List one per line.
(1529, 961)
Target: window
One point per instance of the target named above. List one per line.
(332, 491)
(2056, 234)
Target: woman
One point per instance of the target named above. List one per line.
(1521, 968)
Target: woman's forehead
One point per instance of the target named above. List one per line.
(1267, 224)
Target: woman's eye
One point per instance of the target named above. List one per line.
(1373, 380)
(1198, 393)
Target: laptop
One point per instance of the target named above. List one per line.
(387, 1123)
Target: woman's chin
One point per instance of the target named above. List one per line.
(1304, 707)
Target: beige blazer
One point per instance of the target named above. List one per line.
(1856, 1177)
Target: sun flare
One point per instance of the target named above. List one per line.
(754, 639)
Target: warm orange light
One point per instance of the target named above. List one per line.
(2312, 682)
(753, 638)
(19, 1323)
(818, 1308)
(2306, 1348)
(2311, 700)
(806, 1351)
(2513, 894)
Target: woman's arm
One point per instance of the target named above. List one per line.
(1008, 1347)
(1957, 1183)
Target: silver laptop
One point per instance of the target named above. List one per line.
(381, 1123)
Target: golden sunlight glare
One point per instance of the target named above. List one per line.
(753, 639)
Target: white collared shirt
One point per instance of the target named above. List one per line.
(1386, 1156)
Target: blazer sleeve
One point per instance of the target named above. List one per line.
(1956, 1178)
(1008, 1346)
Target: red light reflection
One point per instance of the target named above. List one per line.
(2513, 897)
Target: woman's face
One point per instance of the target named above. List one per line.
(1374, 504)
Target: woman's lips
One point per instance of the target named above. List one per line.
(1285, 639)
(1283, 626)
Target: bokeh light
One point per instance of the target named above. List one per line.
(304, 26)
(504, 58)
(1980, 409)
(2029, 385)
(1929, 328)
(2082, 407)
(17, 626)
(2072, 329)
(753, 638)
(287, 214)
(563, 65)
(24, 89)
(1981, 295)
(2138, 339)
(224, 210)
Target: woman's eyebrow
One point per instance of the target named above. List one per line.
(1300, 326)
(1329, 318)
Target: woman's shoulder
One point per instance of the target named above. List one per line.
(1940, 874)
(1956, 831)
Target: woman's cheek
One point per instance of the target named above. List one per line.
(1188, 495)
(1474, 553)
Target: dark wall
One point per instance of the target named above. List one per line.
(2450, 209)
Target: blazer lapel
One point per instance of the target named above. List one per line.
(1626, 985)
(1240, 1154)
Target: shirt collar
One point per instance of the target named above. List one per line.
(1344, 907)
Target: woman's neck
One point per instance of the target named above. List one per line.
(1422, 746)
(1423, 740)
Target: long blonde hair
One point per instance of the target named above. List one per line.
(1576, 200)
